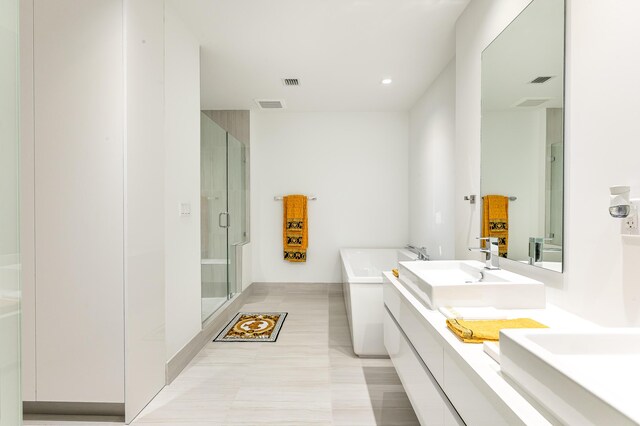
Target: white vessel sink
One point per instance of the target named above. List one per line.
(468, 283)
(581, 377)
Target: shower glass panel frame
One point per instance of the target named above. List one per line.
(223, 186)
(10, 287)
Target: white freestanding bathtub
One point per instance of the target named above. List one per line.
(362, 284)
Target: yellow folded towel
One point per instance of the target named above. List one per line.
(480, 330)
(395, 273)
(495, 221)
(294, 232)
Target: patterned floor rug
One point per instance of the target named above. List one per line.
(253, 327)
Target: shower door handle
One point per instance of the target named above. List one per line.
(227, 221)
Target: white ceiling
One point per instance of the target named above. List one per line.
(339, 49)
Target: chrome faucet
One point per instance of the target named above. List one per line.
(492, 252)
(535, 250)
(420, 251)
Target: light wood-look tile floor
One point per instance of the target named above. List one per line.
(310, 376)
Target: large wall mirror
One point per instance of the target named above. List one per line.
(522, 161)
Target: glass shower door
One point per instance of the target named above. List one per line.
(214, 220)
(223, 183)
(10, 290)
(236, 208)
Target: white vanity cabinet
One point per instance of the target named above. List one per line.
(448, 382)
(422, 337)
(430, 403)
(473, 401)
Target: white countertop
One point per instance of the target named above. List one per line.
(481, 363)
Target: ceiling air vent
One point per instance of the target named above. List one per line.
(540, 80)
(531, 102)
(291, 82)
(270, 103)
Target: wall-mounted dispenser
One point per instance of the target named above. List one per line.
(620, 205)
(625, 208)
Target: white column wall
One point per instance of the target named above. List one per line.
(10, 401)
(79, 170)
(27, 200)
(182, 183)
(144, 279)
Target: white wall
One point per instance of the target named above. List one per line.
(601, 272)
(432, 167)
(355, 163)
(603, 131)
(144, 304)
(182, 183)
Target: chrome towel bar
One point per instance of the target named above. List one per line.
(309, 197)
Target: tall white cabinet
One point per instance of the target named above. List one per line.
(9, 238)
(93, 231)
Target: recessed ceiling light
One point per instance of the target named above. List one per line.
(386, 81)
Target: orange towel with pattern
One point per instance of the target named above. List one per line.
(495, 221)
(294, 232)
(480, 330)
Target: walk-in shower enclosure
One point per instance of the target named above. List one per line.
(223, 203)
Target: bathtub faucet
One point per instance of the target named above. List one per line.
(420, 251)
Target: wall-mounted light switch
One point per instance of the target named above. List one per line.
(185, 209)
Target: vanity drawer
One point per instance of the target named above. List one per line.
(472, 397)
(421, 335)
(429, 402)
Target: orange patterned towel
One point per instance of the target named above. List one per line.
(495, 220)
(294, 232)
(480, 330)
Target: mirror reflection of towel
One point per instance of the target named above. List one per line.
(294, 232)
(495, 220)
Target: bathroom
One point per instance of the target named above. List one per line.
(109, 270)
